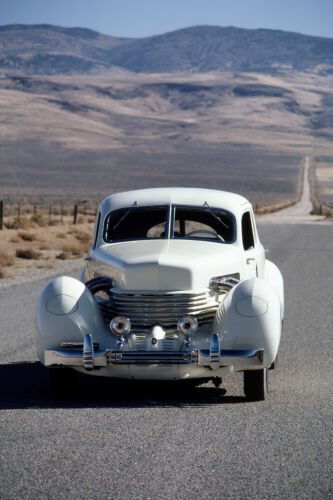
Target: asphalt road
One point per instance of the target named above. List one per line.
(163, 443)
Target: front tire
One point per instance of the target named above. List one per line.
(256, 384)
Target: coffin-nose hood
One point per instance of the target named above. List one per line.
(166, 264)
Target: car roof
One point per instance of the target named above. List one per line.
(195, 197)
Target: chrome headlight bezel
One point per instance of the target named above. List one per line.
(188, 325)
(120, 326)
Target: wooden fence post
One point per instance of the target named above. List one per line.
(75, 214)
(62, 213)
(19, 213)
(50, 213)
(1, 214)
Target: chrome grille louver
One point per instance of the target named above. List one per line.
(146, 308)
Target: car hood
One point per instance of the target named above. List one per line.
(166, 264)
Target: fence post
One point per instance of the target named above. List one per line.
(62, 213)
(50, 213)
(75, 214)
(1, 214)
(19, 213)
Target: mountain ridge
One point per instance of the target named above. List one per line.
(45, 49)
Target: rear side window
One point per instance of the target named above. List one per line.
(247, 231)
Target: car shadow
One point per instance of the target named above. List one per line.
(25, 385)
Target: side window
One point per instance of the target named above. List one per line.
(247, 231)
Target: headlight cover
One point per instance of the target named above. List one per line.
(251, 307)
(62, 304)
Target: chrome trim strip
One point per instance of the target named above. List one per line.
(148, 358)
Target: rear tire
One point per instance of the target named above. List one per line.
(256, 384)
(62, 381)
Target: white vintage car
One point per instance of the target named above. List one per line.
(176, 287)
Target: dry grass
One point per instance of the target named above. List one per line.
(73, 250)
(20, 223)
(15, 239)
(40, 220)
(81, 236)
(59, 242)
(25, 236)
(28, 253)
(6, 259)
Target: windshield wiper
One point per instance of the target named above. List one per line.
(124, 216)
(214, 215)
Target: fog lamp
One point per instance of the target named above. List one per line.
(120, 326)
(187, 325)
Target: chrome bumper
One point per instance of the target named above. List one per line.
(213, 358)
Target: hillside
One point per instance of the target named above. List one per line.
(210, 48)
(83, 137)
(53, 50)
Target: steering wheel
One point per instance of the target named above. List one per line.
(205, 232)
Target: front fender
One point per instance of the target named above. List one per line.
(250, 318)
(274, 278)
(66, 312)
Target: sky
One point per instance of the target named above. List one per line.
(140, 18)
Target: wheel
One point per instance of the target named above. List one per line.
(62, 381)
(256, 384)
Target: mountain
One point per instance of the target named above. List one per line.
(209, 48)
(52, 50)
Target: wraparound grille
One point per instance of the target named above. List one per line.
(145, 309)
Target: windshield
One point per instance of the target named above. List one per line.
(204, 224)
(136, 223)
(194, 223)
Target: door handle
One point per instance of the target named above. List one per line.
(250, 259)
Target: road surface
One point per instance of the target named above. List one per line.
(300, 211)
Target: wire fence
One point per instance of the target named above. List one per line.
(24, 215)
